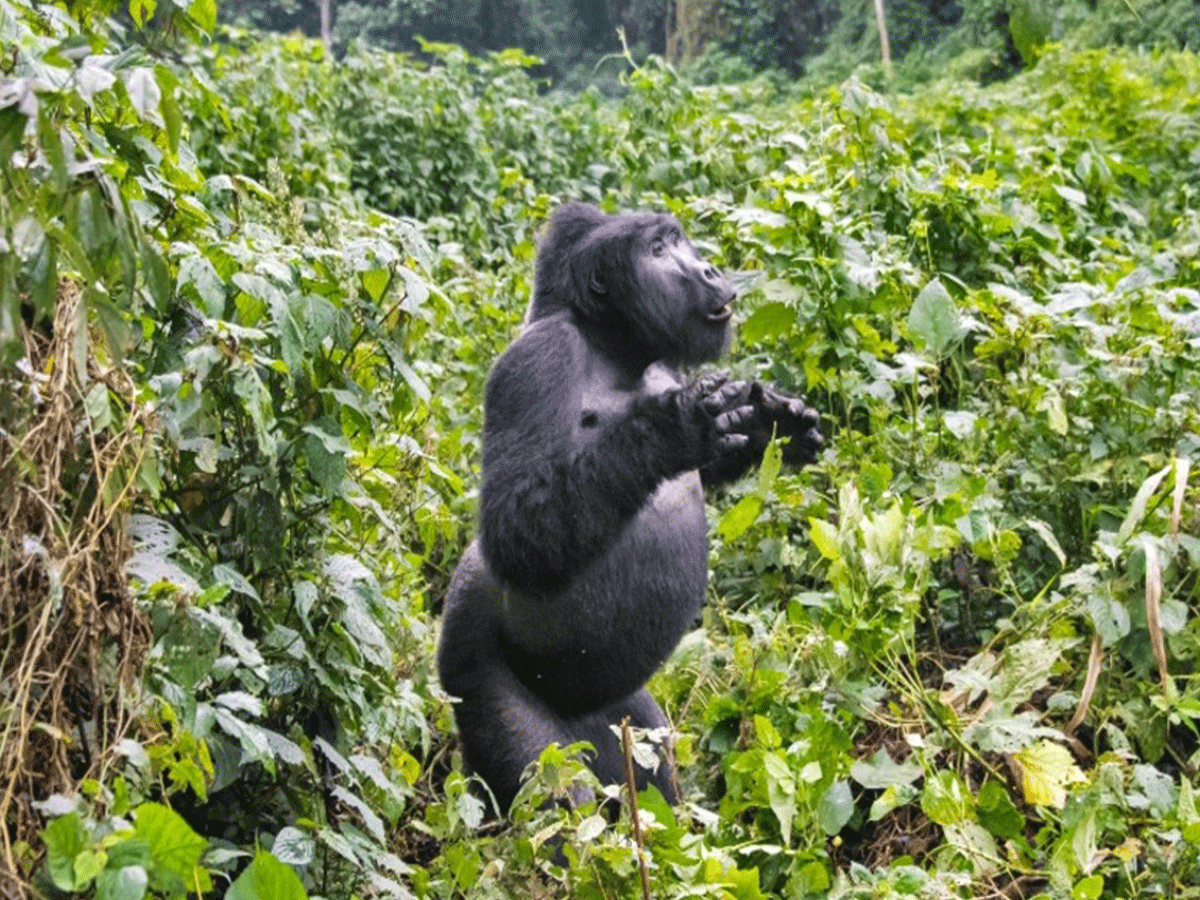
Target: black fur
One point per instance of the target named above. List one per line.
(591, 559)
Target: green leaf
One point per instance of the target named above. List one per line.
(880, 772)
(174, 848)
(64, 839)
(203, 13)
(934, 320)
(172, 116)
(781, 792)
(1088, 888)
(769, 321)
(141, 11)
(125, 883)
(740, 517)
(1043, 531)
(197, 273)
(266, 878)
(144, 94)
(88, 864)
(376, 282)
(825, 538)
(590, 828)
(946, 799)
(835, 808)
(294, 846)
(1056, 411)
(997, 813)
(98, 409)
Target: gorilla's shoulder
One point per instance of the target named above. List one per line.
(545, 360)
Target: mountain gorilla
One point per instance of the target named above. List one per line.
(591, 559)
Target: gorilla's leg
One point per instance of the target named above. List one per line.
(502, 724)
(504, 727)
(609, 760)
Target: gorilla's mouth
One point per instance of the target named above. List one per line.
(721, 314)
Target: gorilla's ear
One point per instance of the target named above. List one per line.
(587, 271)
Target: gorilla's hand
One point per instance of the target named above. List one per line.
(747, 414)
(712, 417)
(791, 419)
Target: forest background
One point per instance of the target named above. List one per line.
(251, 285)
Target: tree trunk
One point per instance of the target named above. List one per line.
(885, 48)
(326, 7)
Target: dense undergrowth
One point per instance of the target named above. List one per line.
(247, 301)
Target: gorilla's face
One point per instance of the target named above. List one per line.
(683, 296)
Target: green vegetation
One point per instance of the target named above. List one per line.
(248, 298)
(731, 40)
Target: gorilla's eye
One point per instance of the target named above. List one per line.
(658, 246)
(588, 419)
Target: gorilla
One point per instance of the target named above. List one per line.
(592, 548)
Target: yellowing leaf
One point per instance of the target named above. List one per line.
(741, 516)
(825, 539)
(1046, 770)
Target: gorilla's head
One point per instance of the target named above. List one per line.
(636, 277)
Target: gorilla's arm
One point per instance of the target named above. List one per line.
(555, 494)
(769, 411)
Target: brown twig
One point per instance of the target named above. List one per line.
(631, 783)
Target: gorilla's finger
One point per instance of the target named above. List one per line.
(732, 441)
(734, 419)
(719, 400)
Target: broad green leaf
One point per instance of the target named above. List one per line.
(98, 409)
(892, 798)
(64, 839)
(1043, 531)
(997, 813)
(168, 106)
(835, 807)
(204, 13)
(1046, 771)
(591, 828)
(174, 848)
(959, 422)
(934, 319)
(946, 799)
(769, 468)
(266, 878)
(975, 844)
(376, 282)
(125, 883)
(198, 273)
(88, 864)
(1056, 411)
(880, 771)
